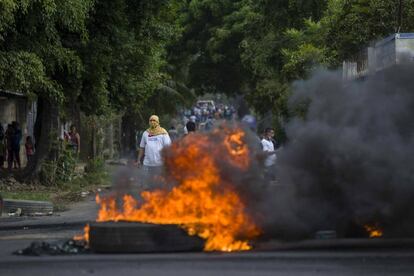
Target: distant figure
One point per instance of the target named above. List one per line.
(173, 133)
(9, 145)
(16, 139)
(29, 149)
(2, 151)
(250, 122)
(190, 126)
(268, 147)
(153, 140)
(73, 139)
(209, 123)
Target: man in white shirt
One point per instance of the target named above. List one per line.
(153, 140)
(268, 147)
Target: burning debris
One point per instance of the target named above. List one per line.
(84, 236)
(66, 247)
(198, 195)
(374, 231)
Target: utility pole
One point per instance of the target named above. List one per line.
(400, 8)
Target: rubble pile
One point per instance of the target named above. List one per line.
(66, 247)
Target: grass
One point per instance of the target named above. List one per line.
(62, 194)
(27, 195)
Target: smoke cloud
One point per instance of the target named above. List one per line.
(350, 161)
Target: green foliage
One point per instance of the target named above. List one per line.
(33, 50)
(58, 171)
(95, 165)
(105, 55)
(126, 53)
(351, 25)
(142, 57)
(258, 48)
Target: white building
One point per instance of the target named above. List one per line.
(395, 49)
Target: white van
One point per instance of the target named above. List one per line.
(206, 103)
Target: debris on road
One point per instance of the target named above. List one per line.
(66, 247)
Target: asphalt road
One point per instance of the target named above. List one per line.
(290, 262)
(275, 260)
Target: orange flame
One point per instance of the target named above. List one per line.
(203, 203)
(373, 230)
(84, 236)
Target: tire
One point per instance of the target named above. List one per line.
(28, 207)
(130, 237)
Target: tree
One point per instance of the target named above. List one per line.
(99, 56)
(258, 48)
(34, 59)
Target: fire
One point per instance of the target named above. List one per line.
(202, 202)
(373, 230)
(84, 236)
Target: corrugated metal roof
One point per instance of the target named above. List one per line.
(405, 36)
(8, 93)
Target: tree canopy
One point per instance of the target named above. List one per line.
(130, 54)
(141, 56)
(258, 48)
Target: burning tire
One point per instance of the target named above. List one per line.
(129, 237)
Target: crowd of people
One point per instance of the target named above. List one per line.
(10, 145)
(203, 115)
(155, 138)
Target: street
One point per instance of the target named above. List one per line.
(251, 263)
(391, 261)
(270, 258)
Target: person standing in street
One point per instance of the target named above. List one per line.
(153, 140)
(268, 147)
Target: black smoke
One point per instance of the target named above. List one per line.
(350, 158)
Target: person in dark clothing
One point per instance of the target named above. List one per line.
(16, 139)
(9, 146)
(191, 126)
(2, 151)
(1, 131)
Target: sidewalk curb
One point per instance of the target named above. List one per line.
(27, 207)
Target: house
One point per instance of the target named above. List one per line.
(395, 49)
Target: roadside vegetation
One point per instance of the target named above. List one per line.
(64, 191)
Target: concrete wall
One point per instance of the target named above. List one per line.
(395, 49)
(405, 50)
